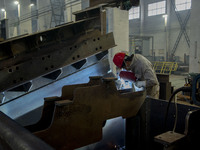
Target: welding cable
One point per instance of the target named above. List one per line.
(176, 116)
(183, 89)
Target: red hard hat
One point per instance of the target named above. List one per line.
(118, 59)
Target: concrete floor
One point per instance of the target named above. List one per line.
(177, 81)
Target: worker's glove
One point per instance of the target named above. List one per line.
(140, 84)
(118, 84)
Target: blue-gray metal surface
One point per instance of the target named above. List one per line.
(41, 81)
(15, 137)
(34, 99)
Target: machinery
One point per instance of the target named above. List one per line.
(76, 119)
(80, 117)
(51, 54)
(53, 49)
(187, 139)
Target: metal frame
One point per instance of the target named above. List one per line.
(25, 58)
(57, 8)
(21, 103)
(91, 104)
(183, 29)
(132, 39)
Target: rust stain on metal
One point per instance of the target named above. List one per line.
(76, 118)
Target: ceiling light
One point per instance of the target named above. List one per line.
(31, 4)
(16, 2)
(165, 16)
(3, 10)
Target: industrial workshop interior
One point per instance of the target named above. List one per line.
(99, 74)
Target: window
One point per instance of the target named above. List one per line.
(157, 8)
(182, 5)
(134, 13)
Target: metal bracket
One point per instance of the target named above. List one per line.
(76, 118)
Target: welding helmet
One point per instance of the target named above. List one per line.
(119, 59)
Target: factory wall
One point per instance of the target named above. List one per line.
(70, 7)
(164, 36)
(44, 14)
(25, 22)
(116, 19)
(85, 3)
(195, 38)
(27, 19)
(10, 13)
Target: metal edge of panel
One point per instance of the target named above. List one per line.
(15, 137)
(50, 62)
(24, 104)
(91, 8)
(41, 82)
(42, 32)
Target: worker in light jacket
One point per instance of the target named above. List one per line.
(142, 68)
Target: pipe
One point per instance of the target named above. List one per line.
(15, 137)
(183, 89)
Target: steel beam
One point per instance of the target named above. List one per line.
(28, 57)
(23, 72)
(27, 102)
(76, 118)
(113, 2)
(2, 97)
(23, 88)
(54, 75)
